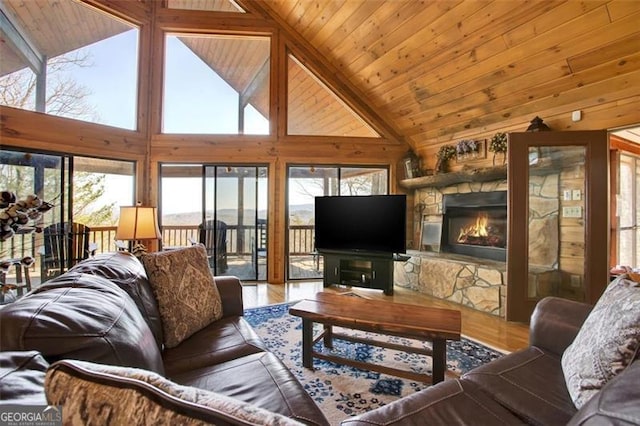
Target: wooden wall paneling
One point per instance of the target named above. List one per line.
(617, 50)
(207, 22)
(552, 15)
(132, 11)
(540, 96)
(529, 62)
(406, 45)
(277, 222)
(356, 20)
(457, 74)
(457, 53)
(389, 32)
(620, 8)
(51, 133)
(580, 97)
(330, 26)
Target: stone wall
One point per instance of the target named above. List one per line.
(479, 284)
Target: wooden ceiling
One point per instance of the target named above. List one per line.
(433, 71)
(441, 70)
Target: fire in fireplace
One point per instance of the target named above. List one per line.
(475, 224)
(482, 233)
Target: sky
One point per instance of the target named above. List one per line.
(196, 99)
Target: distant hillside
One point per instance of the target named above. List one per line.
(302, 214)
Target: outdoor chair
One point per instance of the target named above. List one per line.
(213, 234)
(65, 244)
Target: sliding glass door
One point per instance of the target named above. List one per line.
(83, 190)
(223, 207)
(304, 184)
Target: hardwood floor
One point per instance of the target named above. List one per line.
(479, 326)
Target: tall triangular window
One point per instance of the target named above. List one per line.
(313, 109)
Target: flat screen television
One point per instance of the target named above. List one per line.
(374, 224)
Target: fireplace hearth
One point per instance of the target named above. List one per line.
(475, 224)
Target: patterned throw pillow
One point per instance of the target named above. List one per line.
(104, 394)
(187, 295)
(607, 341)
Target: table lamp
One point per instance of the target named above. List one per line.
(138, 223)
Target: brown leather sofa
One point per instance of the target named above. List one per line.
(524, 387)
(73, 316)
(103, 311)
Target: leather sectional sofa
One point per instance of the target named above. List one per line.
(103, 311)
(526, 387)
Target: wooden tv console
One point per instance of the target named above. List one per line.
(359, 270)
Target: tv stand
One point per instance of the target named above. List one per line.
(359, 270)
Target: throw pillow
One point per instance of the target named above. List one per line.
(607, 341)
(187, 296)
(105, 394)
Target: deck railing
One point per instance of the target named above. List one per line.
(240, 240)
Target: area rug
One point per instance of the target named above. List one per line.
(341, 391)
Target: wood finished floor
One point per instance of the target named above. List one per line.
(479, 326)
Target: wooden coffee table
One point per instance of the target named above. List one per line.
(395, 319)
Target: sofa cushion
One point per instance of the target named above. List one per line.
(260, 379)
(218, 342)
(529, 383)
(22, 378)
(84, 317)
(617, 403)
(125, 270)
(103, 394)
(452, 402)
(184, 287)
(606, 343)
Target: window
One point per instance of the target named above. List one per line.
(216, 84)
(83, 190)
(313, 109)
(88, 74)
(628, 211)
(304, 184)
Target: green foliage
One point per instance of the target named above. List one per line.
(446, 152)
(498, 143)
(88, 190)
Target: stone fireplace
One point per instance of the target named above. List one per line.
(454, 261)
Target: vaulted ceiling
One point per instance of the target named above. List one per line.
(437, 70)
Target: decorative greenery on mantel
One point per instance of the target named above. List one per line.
(483, 174)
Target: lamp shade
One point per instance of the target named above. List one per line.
(138, 223)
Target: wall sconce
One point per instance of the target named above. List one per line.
(138, 223)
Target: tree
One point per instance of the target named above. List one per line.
(65, 97)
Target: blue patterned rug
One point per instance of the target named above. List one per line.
(341, 391)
